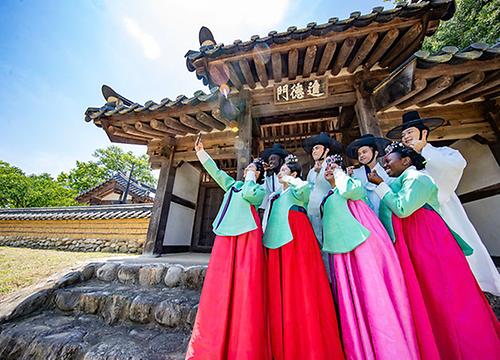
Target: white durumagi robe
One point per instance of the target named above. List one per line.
(272, 186)
(320, 187)
(446, 165)
(373, 198)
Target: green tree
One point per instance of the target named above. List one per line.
(474, 21)
(18, 190)
(109, 161)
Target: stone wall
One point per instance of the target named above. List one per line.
(106, 235)
(68, 244)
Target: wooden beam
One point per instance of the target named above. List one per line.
(406, 41)
(418, 86)
(260, 66)
(309, 59)
(193, 123)
(458, 87)
(145, 128)
(454, 70)
(244, 148)
(344, 52)
(209, 121)
(247, 73)
(363, 51)
(113, 131)
(271, 109)
(380, 50)
(366, 113)
(326, 58)
(276, 66)
(160, 126)
(215, 153)
(346, 116)
(216, 113)
(161, 207)
(133, 131)
(334, 36)
(233, 76)
(219, 138)
(435, 87)
(177, 125)
(490, 82)
(293, 62)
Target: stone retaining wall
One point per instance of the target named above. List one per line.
(106, 235)
(69, 244)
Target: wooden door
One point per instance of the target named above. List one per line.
(209, 203)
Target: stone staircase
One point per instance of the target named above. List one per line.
(107, 311)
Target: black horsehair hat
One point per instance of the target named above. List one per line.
(276, 149)
(378, 143)
(413, 119)
(322, 139)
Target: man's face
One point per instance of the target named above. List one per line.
(410, 135)
(274, 161)
(365, 154)
(317, 152)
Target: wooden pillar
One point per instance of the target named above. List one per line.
(365, 112)
(244, 140)
(161, 207)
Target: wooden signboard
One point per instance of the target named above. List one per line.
(301, 90)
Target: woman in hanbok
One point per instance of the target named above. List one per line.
(374, 310)
(441, 286)
(232, 318)
(302, 315)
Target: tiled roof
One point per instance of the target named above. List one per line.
(136, 188)
(438, 9)
(110, 108)
(122, 211)
(452, 55)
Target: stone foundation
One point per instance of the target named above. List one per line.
(70, 244)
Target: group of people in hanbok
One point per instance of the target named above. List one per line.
(357, 263)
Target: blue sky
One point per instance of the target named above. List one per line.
(55, 55)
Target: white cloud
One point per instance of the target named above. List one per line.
(149, 44)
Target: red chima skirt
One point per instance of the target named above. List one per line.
(303, 322)
(232, 318)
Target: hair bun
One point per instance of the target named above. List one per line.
(291, 159)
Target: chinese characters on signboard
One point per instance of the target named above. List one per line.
(300, 90)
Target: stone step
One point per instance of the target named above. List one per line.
(149, 275)
(51, 335)
(116, 303)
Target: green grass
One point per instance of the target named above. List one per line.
(22, 267)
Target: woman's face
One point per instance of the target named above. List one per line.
(329, 171)
(285, 170)
(394, 165)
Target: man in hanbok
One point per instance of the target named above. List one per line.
(367, 149)
(446, 165)
(273, 158)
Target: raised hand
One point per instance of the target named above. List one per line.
(374, 178)
(198, 146)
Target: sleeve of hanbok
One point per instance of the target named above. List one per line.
(348, 187)
(412, 196)
(251, 191)
(220, 176)
(300, 189)
(445, 165)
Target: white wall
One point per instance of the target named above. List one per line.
(179, 225)
(180, 222)
(482, 170)
(187, 182)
